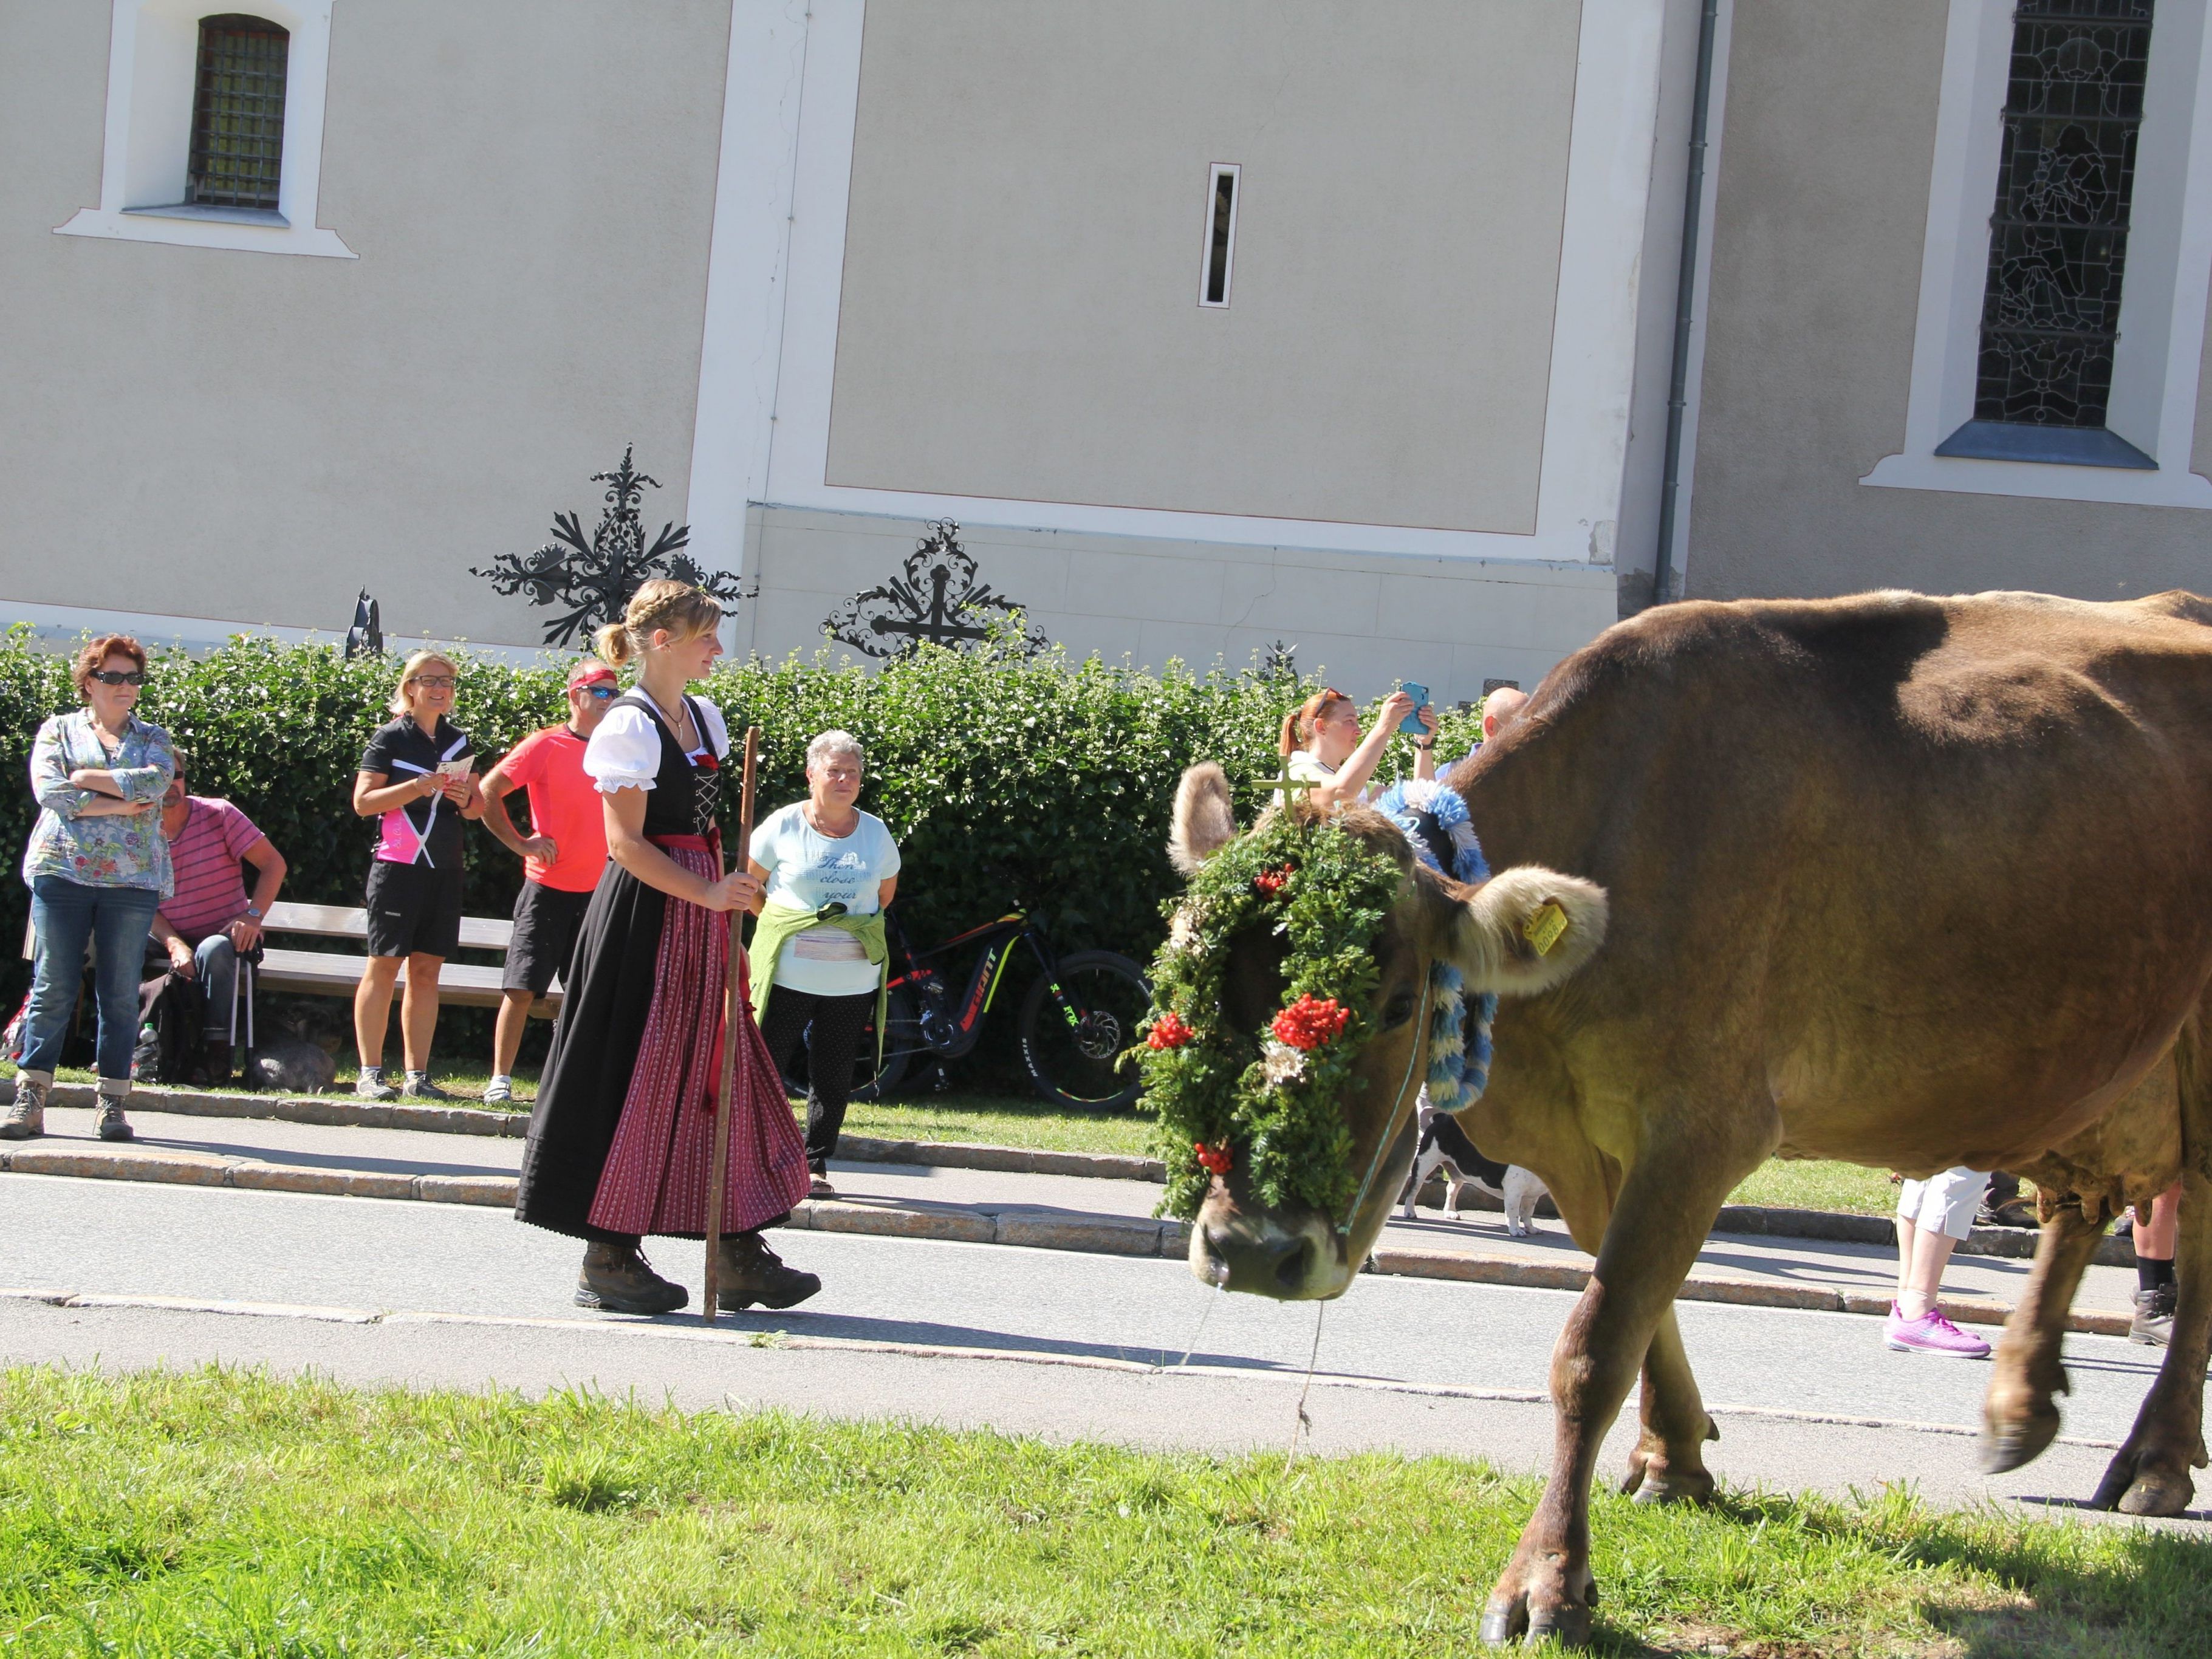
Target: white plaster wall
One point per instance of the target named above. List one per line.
(249, 438)
(1019, 313)
(1366, 620)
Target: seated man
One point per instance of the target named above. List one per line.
(210, 920)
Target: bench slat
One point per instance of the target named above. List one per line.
(329, 974)
(350, 922)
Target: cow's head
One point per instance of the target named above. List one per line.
(1290, 1250)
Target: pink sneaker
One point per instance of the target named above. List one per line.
(1931, 1333)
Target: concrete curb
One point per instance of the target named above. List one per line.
(1760, 1220)
(1129, 1235)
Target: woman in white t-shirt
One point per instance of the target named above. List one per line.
(1322, 744)
(821, 980)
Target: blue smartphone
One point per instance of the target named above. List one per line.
(1412, 723)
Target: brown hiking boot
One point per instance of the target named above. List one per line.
(25, 1117)
(2153, 1325)
(753, 1273)
(618, 1279)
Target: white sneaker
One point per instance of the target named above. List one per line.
(500, 1091)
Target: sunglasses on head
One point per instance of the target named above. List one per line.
(120, 676)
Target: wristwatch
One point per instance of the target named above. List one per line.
(255, 914)
(1424, 747)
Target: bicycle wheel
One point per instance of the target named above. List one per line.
(901, 1037)
(1072, 1057)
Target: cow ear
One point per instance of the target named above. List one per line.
(1523, 931)
(1204, 823)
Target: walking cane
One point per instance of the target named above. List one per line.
(717, 1172)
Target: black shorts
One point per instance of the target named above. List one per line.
(545, 923)
(413, 909)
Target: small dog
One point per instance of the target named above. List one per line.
(1444, 1145)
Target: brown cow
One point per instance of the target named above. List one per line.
(1908, 882)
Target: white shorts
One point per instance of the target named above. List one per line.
(1945, 1203)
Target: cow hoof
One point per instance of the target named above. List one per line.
(2018, 1443)
(1568, 1624)
(1501, 1629)
(2158, 1494)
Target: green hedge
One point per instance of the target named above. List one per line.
(1037, 781)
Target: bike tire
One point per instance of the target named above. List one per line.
(1076, 1068)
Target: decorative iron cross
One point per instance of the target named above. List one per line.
(936, 599)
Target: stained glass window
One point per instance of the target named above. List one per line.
(238, 113)
(2059, 240)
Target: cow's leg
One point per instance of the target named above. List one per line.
(1668, 1463)
(2149, 1474)
(1659, 1222)
(2018, 1416)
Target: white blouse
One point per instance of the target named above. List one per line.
(624, 751)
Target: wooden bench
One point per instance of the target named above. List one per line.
(327, 973)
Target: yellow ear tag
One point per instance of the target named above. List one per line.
(1543, 929)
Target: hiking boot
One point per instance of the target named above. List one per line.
(1931, 1333)
(753, 1273)
(500, 1091)
(618, 1279)
(112, 1124)
(371, 1086)
(2153, 1325)
(25, 1117)
(418, 1086)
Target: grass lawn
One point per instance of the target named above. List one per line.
(223, 1513)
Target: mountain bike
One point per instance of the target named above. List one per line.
(1079, 1017)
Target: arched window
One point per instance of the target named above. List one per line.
(238, 113)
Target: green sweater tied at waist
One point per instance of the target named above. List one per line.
(778, 923)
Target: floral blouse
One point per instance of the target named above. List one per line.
(107, 850)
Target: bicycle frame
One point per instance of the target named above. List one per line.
(998, 939)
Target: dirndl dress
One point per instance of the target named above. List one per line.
(623, 1135)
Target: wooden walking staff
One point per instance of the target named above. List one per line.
(717, 1173)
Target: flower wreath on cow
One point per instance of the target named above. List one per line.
(1271, 1099)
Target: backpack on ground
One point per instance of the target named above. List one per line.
(172, 1030)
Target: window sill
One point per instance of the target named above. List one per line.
(2057, 446)
(227, 215)
(2043, 480)
(238, 229)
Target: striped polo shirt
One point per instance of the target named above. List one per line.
(210, 889)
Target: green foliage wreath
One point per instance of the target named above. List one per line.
(1272, 1098)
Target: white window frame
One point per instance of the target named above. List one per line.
(153, 65)
(1235, 171)
(2162, 302)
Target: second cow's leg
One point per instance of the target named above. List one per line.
(1668, 1463)
(2019, 1418)
(2149, 1474)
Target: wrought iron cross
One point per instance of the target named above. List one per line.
(935, 600)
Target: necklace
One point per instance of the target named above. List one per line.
(815, 822)
(677, 726)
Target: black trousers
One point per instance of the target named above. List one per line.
(831, 1026)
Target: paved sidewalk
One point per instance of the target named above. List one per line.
(1110, 1217)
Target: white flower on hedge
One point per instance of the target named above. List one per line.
(1279, 1063)
(1182, 931)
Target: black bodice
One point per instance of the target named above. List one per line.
(683, 797)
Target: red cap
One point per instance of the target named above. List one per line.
(589, 672)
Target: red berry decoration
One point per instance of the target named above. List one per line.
(1214, 1158)
(1271, 882)
(1168, 1032)
(1311, 1021)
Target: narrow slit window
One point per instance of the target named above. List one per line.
(238, 113)
(1221, 234)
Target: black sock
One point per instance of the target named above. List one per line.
(2152, 1274)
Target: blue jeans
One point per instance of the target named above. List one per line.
(215, 965)
(115, 921)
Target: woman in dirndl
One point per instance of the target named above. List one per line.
(623, 1136)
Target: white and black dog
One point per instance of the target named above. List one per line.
(1444, 1145)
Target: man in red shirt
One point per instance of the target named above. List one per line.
(562, 856)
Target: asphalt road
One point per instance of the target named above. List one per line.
(1034, 1341)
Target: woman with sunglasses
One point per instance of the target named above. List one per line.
(562, 857)
(1321, 744)
(415, 780)
(98, 867)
